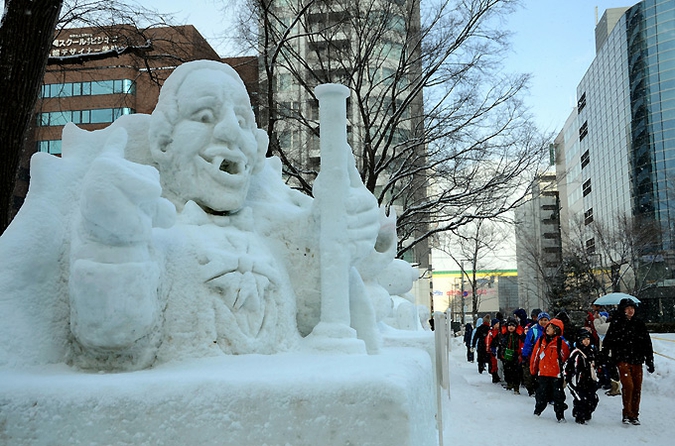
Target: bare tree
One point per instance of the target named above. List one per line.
(438, 130)
(26, 34)
(629, 253)
(600, 258)
(472, 244)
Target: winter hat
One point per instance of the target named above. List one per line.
(604, 314)
(626, 302)
(521, 314)
(544, 314)
(558, 326)
(511, 321)
(494, 322)
(583, 333)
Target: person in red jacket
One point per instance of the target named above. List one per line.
(492, 346)
(548, 356)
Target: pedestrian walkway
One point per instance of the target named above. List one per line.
(479, 412)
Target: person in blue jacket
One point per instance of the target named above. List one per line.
(533, 334)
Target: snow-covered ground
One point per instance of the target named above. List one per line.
(482, 413)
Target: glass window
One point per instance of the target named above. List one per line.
(54, 147)
(101, 116)
(129, 86)
(101, 87)
(59, 118)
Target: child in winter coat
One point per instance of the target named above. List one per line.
(511, 344)
(492, 346)
(581, 377)
(548, 356)
(478, 343)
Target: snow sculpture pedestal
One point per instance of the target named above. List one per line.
(285, 399)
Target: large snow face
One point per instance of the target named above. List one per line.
(208, 144)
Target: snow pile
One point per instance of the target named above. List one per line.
(283, 399)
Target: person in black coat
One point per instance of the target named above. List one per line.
(581, 377)
(478, 344)
(628, 345)
(468, 332)
(521, 317)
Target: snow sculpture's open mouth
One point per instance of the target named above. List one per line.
(230, 167)
(224, 162)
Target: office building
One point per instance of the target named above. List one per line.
(621, 161)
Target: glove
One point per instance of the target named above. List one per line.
(650, 367)
(473, 350)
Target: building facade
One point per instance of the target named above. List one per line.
(623, 153)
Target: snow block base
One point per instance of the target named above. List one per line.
(286, 399)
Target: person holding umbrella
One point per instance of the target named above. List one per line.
(628, 345)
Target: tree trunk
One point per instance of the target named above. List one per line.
(25, 39)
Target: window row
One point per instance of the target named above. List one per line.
(93, 88)
(97, 116)
(52, 146)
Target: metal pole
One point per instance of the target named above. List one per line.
(462, 272)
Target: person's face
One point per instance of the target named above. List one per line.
(215, 146)
(544, 322)
(629, 312)
(550, 330)
(586, 341)
(511, 328)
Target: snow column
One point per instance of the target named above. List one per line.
(331, 189)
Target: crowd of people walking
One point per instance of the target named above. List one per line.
(545, 355)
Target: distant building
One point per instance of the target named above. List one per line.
(95, 75)
(538, 243)
(507, 290)
(497, 290)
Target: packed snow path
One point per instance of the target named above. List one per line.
(480, 412)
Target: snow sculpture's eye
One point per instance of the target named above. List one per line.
(205, 116)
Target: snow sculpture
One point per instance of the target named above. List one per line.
(168, 247)
(170, 236)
